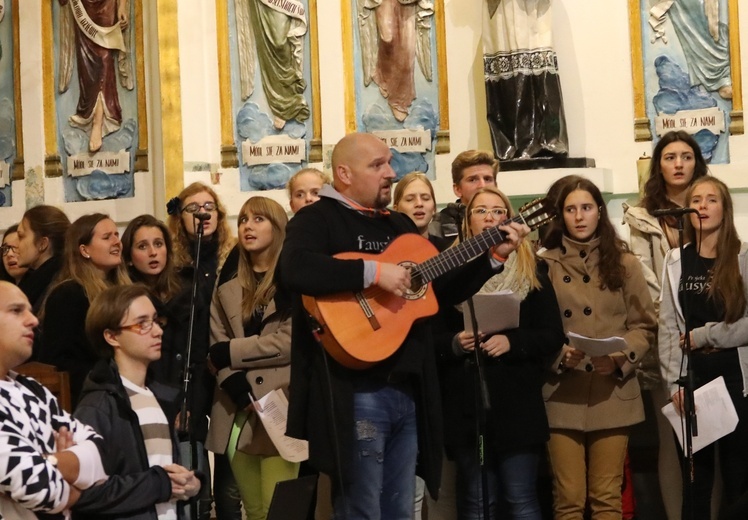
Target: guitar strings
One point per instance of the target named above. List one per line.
(452, 257)
(466, 251)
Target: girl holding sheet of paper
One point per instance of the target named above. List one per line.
(250, 329)
(514, 364)
(711, 280)
(592, 401)
(676, 162)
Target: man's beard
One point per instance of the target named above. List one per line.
(383, 200)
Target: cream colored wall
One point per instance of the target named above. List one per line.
(591, 38)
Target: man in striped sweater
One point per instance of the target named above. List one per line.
(135, 414)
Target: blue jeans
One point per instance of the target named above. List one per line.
(382, 480)
(512, 480)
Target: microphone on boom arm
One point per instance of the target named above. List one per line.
(673, 212)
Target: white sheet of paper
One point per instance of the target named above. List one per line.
(715, 414)
(274, 416)
(595, 346)
(495, 312)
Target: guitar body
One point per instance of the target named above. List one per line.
(361, 329)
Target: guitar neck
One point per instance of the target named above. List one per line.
(460, 254)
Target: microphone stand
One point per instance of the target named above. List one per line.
(482, 399)
(183, 428)
(688, 384)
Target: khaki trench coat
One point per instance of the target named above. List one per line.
(265, 358)
(581, 399)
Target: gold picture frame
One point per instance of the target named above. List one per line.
(19, 166)
(642, 123)
(52, 158)
(229, 152)
(349, 21)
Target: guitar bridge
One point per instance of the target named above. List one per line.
(368, 312)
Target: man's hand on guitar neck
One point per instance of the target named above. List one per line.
(393, 278)
(515, 233)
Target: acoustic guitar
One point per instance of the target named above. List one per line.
(364, 328)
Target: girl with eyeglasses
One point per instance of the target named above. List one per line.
(10, 270)
(514, 362)
(133, 412)
(92, 263)
(198, 198)
(592, 402)
(185, 211)
(251, 354)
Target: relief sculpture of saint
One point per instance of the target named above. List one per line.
(393, 34)
(94, 35)
(271, 33)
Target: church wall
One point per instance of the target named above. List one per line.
(591, 38)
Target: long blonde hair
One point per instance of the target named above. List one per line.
(526, 264)
(182, 241)
(81, 270)
(256, 293)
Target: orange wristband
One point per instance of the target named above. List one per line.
(499, 258)
(376, 276)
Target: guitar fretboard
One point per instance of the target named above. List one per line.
(460, 254)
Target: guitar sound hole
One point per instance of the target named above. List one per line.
(417, 287)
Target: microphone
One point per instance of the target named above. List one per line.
(456, 206)
(673, 212)
(202, 216)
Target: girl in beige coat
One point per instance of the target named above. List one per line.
(250, 353)
(592, 401)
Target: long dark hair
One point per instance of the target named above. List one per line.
(727, 283)
(168, 283)
(655, 189)
(551, 197)
(48, 221)
(612, 248)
